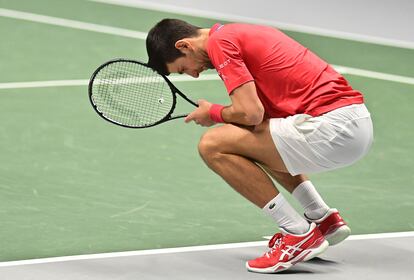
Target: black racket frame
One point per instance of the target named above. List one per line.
(174, 92)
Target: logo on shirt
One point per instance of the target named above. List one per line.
(224, 64)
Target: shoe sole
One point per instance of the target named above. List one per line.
(303, 256)
(339, 235)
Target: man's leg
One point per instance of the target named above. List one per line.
(329, 221)
(232, 152)
(286, 180)
(304, 191)
(235, 152)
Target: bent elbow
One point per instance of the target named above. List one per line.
(255, 118)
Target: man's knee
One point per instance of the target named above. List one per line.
(209, 145)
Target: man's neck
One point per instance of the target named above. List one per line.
(204, 34)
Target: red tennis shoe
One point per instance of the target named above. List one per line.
(332, 226)
(288, 249)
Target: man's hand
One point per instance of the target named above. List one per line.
(201, 115)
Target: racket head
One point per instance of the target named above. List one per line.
(130, 94)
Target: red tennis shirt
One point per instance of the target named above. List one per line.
(289, 78)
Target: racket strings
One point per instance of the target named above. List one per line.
(131, 94)
(128, 81)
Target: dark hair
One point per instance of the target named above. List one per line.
(161, 42)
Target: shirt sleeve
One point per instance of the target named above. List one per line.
(227, 59)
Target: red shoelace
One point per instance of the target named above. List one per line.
(274, 243)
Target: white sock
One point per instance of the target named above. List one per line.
(311, 200)
(285, 216)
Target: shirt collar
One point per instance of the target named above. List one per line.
(215, 28)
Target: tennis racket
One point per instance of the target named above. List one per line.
(130, 94)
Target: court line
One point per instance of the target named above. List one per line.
(373, 236)
(210, 77)
(43, 84)
(63, 83)
(285, 26)
(185, 249)
(374, 75)
(142, 35)
(73, 24)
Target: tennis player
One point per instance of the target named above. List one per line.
(291, 114)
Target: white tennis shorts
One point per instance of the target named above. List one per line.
(315, 144)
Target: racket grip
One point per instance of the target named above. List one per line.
(215, 113)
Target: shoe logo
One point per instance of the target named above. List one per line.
(291, 250)
(271, 206)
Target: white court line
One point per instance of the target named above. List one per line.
(185, 249)
(65, 83)
(374, 75)
(209, 77)
(372, 236)
(43, 84)
(281, 25)
(73, 24)
(142, 36)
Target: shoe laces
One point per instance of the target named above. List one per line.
(274, 243)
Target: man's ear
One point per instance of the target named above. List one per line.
(184, 46)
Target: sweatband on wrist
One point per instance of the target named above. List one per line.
(215, 113)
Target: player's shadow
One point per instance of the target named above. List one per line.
(302, 267)
(295, 270)
(318, 260)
